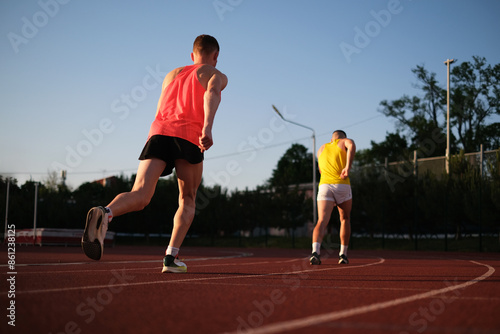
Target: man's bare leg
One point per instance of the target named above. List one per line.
(345, 221)
(138, 198)
(189, 179)
(325, 209)
(98, 218)
(345, 228)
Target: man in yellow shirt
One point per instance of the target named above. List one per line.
(335, 161)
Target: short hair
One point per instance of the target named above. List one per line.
(205, 44)
(342, 132)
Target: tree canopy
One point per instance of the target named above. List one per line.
(294, 167)
(474, 99)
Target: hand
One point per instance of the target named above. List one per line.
(344, 174)
(205, 140)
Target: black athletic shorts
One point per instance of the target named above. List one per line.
(170, 149)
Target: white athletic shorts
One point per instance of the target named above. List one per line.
(337, 193)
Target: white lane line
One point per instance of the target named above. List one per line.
(242, 254)
(187, 280)
(158, 267)
(296, 324)
(238, 254)
(319, 287)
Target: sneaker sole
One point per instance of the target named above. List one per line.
(92, 248)
(174, 269)
(314, 262)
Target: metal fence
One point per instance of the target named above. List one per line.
(416, 200)
(434, 165)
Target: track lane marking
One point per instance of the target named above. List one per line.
(188, 280)
(150, 268)
(159, 267)
(242, 254)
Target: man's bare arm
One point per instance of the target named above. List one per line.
(351, 151)
(212, 99)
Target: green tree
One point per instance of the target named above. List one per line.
(418, 116)
(294, 167)
(474, 98)
(393, 147)
(289, 204)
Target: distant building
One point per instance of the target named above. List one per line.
(108, 181)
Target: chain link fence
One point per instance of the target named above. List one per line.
(416, 202)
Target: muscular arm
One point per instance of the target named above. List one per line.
(350, 147)
(215, 85)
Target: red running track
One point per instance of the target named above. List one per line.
(58, 290)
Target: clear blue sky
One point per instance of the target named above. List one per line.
(80, 80)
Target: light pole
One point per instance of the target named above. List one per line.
(448, 62)
(6, 210)
(35, 214)
(315, 217)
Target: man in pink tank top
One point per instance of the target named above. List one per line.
(179, 134)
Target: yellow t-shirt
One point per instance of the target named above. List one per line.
(331, 162)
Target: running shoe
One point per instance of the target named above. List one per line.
(315, 259)
(172, 265)
(343, 259)
(95, 233)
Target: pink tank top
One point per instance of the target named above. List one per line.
(181, 112)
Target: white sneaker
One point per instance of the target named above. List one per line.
(172, 265)
(95, 233)
(343, 259)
